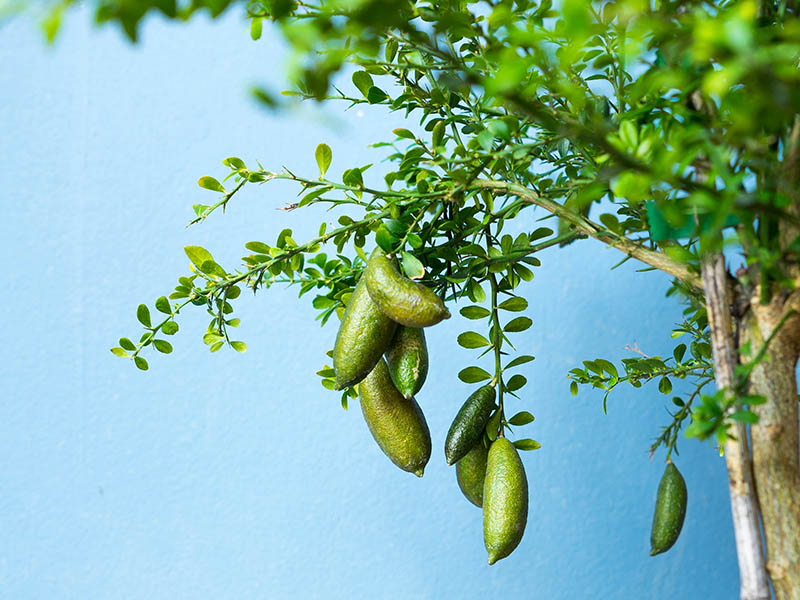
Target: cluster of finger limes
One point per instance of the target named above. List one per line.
(381, 348)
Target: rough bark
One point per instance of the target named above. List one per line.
(754, 584)
(776, 463)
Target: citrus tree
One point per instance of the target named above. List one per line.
(666, 130)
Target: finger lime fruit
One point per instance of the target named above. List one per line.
(396, 423)
(469, 423)
(471, 473)
(407, 358)
(401, 299)
(364, 335)
(670, 510)
(505, 500)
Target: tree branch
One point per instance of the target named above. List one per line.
(655, 259)
(744, 508)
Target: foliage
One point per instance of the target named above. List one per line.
(658, 128)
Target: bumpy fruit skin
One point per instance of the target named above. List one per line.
(469, 423)
(505, 500)
(471, 473)
(670, 510)
(396, 423)
(364, 335)
(401, 299)
(407, 358)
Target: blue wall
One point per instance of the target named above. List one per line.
(238, 476)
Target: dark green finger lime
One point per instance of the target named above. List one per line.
(471, 473)
(407, 358)
(396, 423)
(670, 510)
(505, 500)
(469, 423)
(364, 335)
(400, 298)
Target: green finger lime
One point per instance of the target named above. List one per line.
(469, 423)
(396, 423)
(505, 500)
(401, 299)
(407, 358)
(471, 473)
(364, 335)
(670, 510)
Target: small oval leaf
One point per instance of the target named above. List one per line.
(143, 314)
(473, 375)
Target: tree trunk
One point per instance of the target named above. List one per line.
(754, 584)
(776, 463)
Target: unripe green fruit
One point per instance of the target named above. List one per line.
(396, 423)
(407, 358)
(471, 473)
(401, 299)
(469, 423)
(505, 500)
(364, 335)
(670, 510)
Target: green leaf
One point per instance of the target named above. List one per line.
(473, 375)
(239, 346)
(169, 328)
(363, 81)
(516, 304)
(257, 247)
(665, 385)
(403, 134)
(376, 95)
(745, 416)
(521, 418)
(198, 255)
(323, 155)
(471, 339)
(384, 239)
(493, 425)
(573, 388)
(540, 233)
(486, 139)
(141, 363)
(437, 135)
(121, 352)
(216, 346)
(518, 324)
(475, 292)
(611, 222)
(607, 366)
(524, 272)
(527, 444)
(163, 346)
(162, 304)
(515, 383)
(629, 134)
(412, 266)
(520, 360)
(143, 314)
(127, 344)
(209, 267)
(209, 183)
(678, 352)
(474, 312)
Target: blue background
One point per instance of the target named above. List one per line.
(238, 476)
